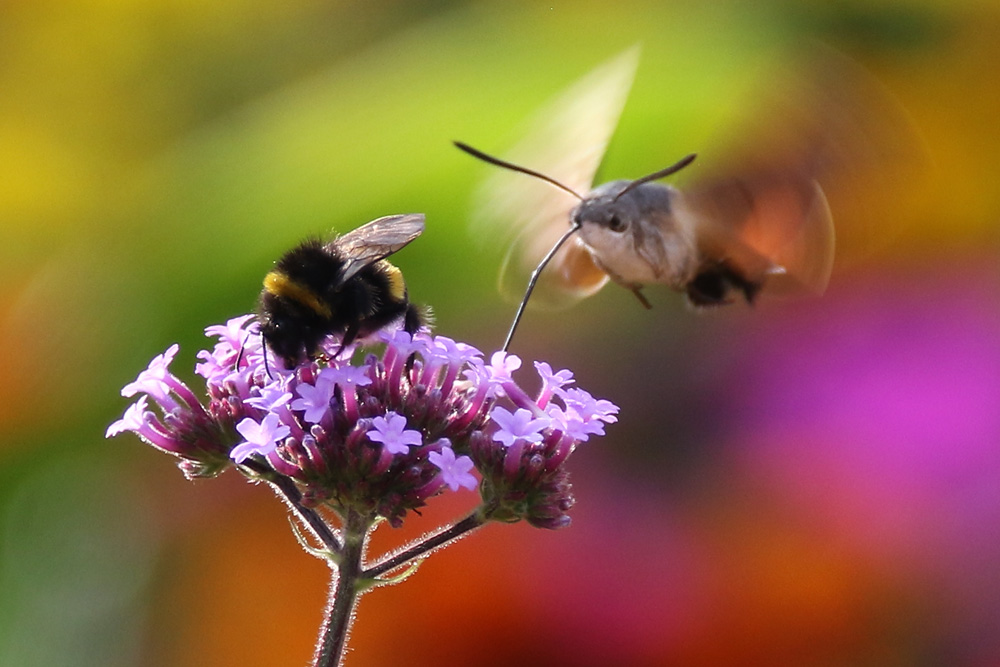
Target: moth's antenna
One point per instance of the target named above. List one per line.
(513, 167)
(656, 175)
(534, 279)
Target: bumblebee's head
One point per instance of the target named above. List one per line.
(291, 331)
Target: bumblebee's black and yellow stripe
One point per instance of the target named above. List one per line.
(345, 287)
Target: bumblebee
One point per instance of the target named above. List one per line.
(345, 287)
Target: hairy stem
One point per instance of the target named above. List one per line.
(466, 525)
(343, 594)
(286, 488)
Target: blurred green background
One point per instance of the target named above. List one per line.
(806, 482)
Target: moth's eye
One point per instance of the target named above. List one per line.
(615, 224)
(577, 218)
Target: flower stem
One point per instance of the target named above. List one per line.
(290, 493)
(466, 525)
(344, 594)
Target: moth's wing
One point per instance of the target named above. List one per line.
(566, 140)
(761, 202)
(775, 227)
(570, 275)
(374, 241)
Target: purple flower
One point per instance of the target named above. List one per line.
(443, 352)
(391, 431)
(502, 365)
(455, 471)
(270, 397)
(570, 423)
(320, 424)
(589, 408)
(402, 343)
(314, 399)
(521, 425)
(261, 438)
(233, 333)
(153, 380)
(551, 382)
(448, 351)
(555, 380)
(349, 377)
(235, 338)
(133, 420)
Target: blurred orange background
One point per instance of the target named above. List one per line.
(805, 482)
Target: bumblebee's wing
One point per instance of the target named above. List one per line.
(374, 241)
(762, 203)
(566, 141)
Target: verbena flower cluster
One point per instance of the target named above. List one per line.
(380, 436)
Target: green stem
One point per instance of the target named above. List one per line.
(343, 593)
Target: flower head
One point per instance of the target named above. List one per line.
(380, 436)
(181, 426)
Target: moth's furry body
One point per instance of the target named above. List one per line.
(650, 235)
(636, 239)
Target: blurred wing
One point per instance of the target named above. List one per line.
(762, 203)
(774, 227)
(566, 141)
(375, 240)
(570, 275)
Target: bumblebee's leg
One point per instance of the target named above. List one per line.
(412, 319)
(349, 336)
(263, 348)
(239, 357)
